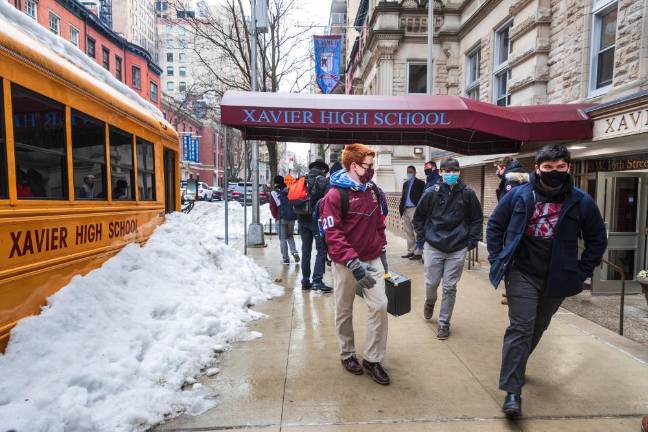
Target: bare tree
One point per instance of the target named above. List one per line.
(222, 47)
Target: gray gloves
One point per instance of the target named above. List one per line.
(361, 273)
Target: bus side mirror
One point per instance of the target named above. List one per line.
(192, 190)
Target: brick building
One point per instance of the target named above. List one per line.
(210, 167)
(128, 62)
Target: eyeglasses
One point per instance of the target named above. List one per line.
(368, 165)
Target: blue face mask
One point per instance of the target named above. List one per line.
(451, 178)
(410, 176)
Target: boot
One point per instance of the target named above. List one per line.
(512, 406)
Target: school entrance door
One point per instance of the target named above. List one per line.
(622, 198)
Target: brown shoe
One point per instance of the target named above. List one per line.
(428, 310)
(351, 365)
(376, 371)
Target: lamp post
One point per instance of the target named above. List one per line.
(255, 230)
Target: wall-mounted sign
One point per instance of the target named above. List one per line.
(328, 56)
(626, 123)
(622, 163)
(186, 147)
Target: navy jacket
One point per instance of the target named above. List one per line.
(286, 210)
(415, 195)
(579, 217)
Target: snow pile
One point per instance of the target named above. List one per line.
(18, 24)
(112, 350)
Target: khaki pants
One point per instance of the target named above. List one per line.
(410, 234)
(376, 299)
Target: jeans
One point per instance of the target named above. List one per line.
(444, 266)
(530, 312)
(308, 234)
(286, 229)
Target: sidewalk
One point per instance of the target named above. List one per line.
(582, 377)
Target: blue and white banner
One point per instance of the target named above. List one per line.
(186, 147)
(328, 56)
(196, 149)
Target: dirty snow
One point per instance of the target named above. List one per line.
(112, 350)
(58, 50)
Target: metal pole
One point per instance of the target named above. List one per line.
(255, 232)
(245, 163)
(430, 42)
(226, 188)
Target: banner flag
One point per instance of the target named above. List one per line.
(196, 149)
(186, 151)
(328, 56)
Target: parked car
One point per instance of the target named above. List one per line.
(236, 190)
(217, 193)
(205, 192)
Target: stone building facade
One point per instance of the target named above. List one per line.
(507, 52)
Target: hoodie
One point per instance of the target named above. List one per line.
(361, 234)
(514, 176)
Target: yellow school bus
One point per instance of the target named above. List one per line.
(82, 173)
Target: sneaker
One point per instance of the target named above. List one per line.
(416, 257)
(443, 332)
(377, 372)
(296, 257)
(306, 286)
(321, 286)
(409, 255)
(512, 406)
(286, 261)
(351, 365)
(428, 310)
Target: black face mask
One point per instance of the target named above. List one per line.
(367, 176)
(428, 171)
(554, 179)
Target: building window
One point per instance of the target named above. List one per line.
(118, 67)
(89, 156)
(182, 86)
(182, 71)
(181, 57)
(169, 70)
(40, 145)
(170, 86)
(416, 78)
(170, 57)
(31, 8)
(121, 164)
(502, 71)
(154, 92)
(145, 170)
(105, 58)
(74, 35)
(136, 77)
(90, 47)
(4, 190)
(603, 45)
(473, 73)
(54, 23)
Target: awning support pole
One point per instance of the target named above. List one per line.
(226, 186)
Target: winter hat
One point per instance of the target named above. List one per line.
(319, 164)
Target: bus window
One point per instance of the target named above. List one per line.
(3, 149)
(89, 155)
(39, 138)
(145, 170)
(121, 165)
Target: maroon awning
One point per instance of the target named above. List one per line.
(451, 123)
